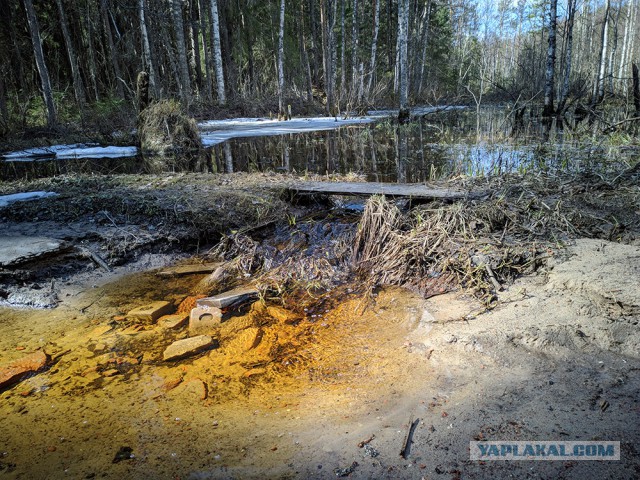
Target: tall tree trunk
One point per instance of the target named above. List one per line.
(183, 64)
(614, 49)
(625, 45)
(343, 49)
(316, 53)
(374, 46)
(425, 43)
(304, 54)
(598, 86)
(194, 38)
(217, 52)
(327, 20)
(88, 43)
(43, 72)
(113, 52)
(281, 112)
(551, 61)
(207, 57)
(636, 88)
(354, 45)
(78, 88)
(146, 48)
(564, 93)
(403, 61)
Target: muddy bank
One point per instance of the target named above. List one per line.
(331, 356)
(110, 222)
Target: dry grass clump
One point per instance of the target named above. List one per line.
(431, 251)
(479, 245)
(163, 128)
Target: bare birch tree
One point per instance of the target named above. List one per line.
(43, 72)
(598, 85)
(551, 61)
(281, 111)
(403, 61)
(217, 52)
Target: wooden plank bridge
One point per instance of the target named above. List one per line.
(415, 191)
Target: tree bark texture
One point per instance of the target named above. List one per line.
(217, 52)
(403, 61)
(551, 61)
(43, 71)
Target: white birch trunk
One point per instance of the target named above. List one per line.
(551, 60)
(202, 11)
(354, 45)
(217, 52)
(343, 48)
(598, 87)
(374, 46)
(403, 63)
(281, 61)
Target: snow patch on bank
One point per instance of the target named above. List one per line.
(22, 197)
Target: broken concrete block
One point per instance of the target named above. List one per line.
(19, 369)
(223, 300)
(21, 249)
(204, 320)
(187, 347)
(151, 311)
(173, 322)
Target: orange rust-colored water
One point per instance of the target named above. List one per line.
(276, 397)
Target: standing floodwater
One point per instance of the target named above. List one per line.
(436, 145)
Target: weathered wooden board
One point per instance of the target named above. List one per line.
(411, 190)
(180, 270)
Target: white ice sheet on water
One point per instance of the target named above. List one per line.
(217, 131)
(214, 132)
(66, 152)
(21, 197)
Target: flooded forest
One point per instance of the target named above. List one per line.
(314, 239)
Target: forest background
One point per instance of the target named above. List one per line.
(76, 63)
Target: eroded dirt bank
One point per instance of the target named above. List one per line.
(292, 394)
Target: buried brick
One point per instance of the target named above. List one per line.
(188, 346)
(19, 369)
(150, 312)
(173, 322)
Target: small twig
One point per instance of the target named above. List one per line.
(96, 258)
(366, 442)
(408, 439)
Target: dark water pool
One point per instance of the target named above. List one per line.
(438, 145)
